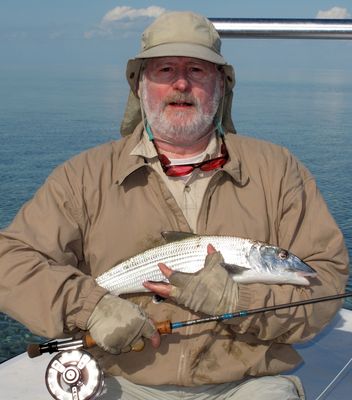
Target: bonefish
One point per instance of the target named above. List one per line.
(247, 261)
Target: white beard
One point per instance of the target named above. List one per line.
(180, 128)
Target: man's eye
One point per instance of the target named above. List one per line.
(166, 69)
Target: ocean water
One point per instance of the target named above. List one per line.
(47, 116)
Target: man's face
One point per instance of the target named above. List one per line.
(180, 96)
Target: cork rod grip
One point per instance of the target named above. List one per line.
(164, 327)
(89, 342)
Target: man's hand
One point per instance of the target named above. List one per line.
(116, 324)
(210, 290)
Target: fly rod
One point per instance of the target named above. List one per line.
(166, 327)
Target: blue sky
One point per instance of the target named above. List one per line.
(82, 33)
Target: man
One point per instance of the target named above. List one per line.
(178, 171)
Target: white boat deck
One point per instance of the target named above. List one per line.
(325, 356)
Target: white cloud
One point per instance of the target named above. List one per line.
(123, 12)
(334, 13)
(122, 18)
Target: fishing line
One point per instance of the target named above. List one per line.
(334, 380)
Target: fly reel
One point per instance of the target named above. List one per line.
(74, 375)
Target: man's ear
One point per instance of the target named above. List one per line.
(137, 90)
(223, 85)
(139, 81)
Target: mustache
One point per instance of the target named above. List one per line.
(180, 98)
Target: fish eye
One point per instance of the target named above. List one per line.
(283, 254)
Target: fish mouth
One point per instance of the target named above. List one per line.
(304, 269)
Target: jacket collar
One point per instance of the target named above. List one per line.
(234, 167)
(125, 162)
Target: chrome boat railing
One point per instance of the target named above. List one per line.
(272, 28)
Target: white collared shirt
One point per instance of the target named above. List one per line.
(187, 190)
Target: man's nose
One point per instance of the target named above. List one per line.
(181, 82)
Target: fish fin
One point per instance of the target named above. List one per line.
(233, 268)
(175, 236)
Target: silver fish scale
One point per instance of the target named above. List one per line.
(186, 255)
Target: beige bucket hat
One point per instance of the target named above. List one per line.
(183, 34)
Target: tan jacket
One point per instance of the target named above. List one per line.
(105, 205)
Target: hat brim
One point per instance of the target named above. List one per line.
(183, 50)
